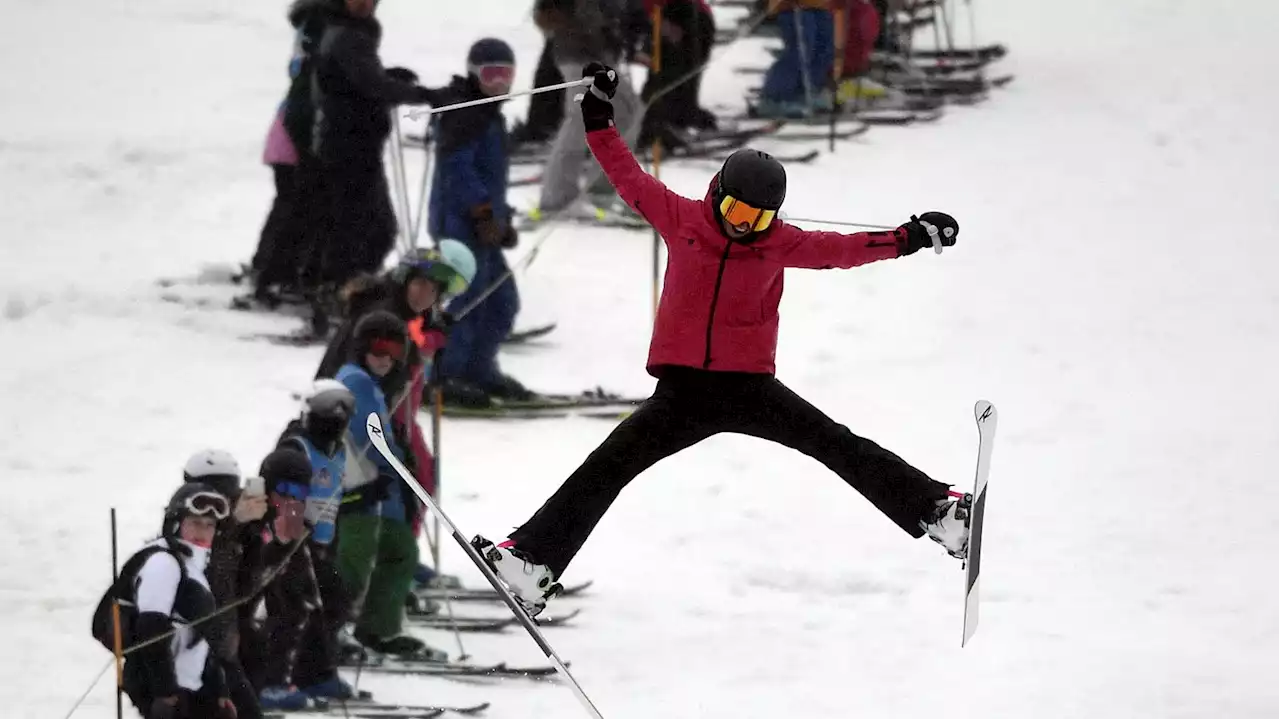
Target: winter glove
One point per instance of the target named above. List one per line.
(488, 230)
(597, 111)
(403, 74)
(163, 708)
(914, 235)
(510, 238)
(422, 96)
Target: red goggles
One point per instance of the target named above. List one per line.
(387, 348)
(738, 213)
(495, 75)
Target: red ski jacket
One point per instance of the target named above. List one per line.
(719, 305)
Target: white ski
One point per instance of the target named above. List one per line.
(985, 416)
(374, 426)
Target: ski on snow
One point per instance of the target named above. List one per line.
(985, 416)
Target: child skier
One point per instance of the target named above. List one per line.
(377, 551)
(469, 203)
(713, 347)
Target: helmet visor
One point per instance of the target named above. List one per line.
(738, 214)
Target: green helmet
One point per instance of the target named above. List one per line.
(452, 266)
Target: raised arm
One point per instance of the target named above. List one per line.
(661, 207)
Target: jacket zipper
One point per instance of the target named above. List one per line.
(715, 298)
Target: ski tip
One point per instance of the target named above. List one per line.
(984, 411)
(373, 423)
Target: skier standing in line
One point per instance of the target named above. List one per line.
(713, 347)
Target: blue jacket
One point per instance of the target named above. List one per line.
(326, 488)
(471, 163)
(365, 463)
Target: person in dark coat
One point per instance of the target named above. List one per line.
(469, 203)
(352, 94)
(284, 238)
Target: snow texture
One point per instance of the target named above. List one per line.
(1113, 292)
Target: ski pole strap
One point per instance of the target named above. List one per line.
(415, 114)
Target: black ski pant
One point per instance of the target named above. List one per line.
(546, 109)
(282, 244)
(291, 599)
(351, 224)
(317, 659)
(689, 405)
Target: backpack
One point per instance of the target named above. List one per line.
(122, 589)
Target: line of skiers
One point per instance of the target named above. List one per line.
(312, 561)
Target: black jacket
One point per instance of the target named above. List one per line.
(384, 293)
(352, 93)
(308, 17)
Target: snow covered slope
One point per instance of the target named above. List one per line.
(1114, 293)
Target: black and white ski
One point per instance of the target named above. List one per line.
(985, 416)
(373, 425)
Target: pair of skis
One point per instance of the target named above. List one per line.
(985, 417)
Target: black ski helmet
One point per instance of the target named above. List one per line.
(326, 410)
(489, 51)
(285, 466)
(752, 177)
(193, 498)
(377, 325)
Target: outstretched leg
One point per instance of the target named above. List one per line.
(666, 423)
(903, 493)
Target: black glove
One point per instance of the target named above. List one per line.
(913, 235)
(511, 238)
(422, 96)
(597, 111)
(403, 74)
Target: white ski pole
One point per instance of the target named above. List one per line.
(931, 229)
(498, 98)
(399, 184)
(374, 426)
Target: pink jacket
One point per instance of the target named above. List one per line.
(280, 149)
(719, 305)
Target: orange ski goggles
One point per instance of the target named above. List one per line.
(737, 212)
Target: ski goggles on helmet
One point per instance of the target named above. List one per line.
(495, 77)
(208, 504)
(738, 213)
(293, 490)
(382, 347)
(429, 263)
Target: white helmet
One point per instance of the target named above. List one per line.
(215, 468)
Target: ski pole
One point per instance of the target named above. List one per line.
(373, 424)
(400, 184)
(115, 621)
(863, 225)
(931, 229)
(419, 222)
(414, 114)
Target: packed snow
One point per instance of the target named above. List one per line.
(1113, 292)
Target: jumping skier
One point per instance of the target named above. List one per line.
(713, 347)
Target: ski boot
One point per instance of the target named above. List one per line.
(416, 605)
(531, 584)
(332, 688)
(403, 647)
(948, 524)
(283, 698)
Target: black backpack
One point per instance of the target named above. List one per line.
(122, 590)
